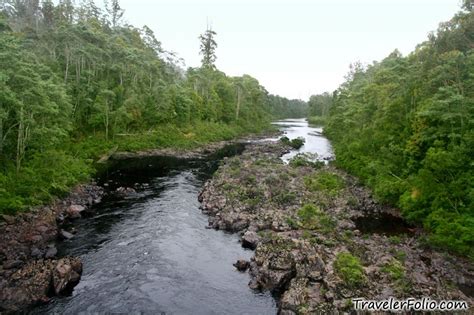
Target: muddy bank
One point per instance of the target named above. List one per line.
(320, 239)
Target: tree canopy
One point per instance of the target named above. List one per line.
(77, 81)
(405, 125)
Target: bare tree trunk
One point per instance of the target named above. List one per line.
(106, 120)
(239, 99)
(67, 65)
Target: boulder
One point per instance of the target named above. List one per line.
(66, 235)
(74, 211)
(250, 240)
(51, 252)
(241, 265)
(66, 274)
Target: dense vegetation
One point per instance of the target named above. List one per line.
(75, 82)
(318, 108)
(405, 126)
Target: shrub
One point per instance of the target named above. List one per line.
(306, 159)
(316, 120)
(349, 268)
(394, 269)
(294, 143)
(311, 217)
(324, 181)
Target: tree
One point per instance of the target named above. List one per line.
(115, 12)
(208, 49)
(468, 5)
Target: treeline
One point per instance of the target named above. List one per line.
(76, 81)
(405, 126)
(282, 107)
(318, 108)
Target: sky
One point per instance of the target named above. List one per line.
(295, 48)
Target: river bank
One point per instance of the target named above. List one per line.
(31, 272)
(320, 238)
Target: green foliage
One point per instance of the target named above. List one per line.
(394, 269)
(311, 217)
(349, 268)
(397, 273)
(77, 82)
(319, 105)
(324, 181)
(37, 182)
(306, 159)
(405, 126)
(284, 108)
(316, 120)
(294, 143)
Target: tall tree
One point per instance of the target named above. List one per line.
(115, 12)
(208, 49)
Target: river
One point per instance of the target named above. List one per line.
(151, 252)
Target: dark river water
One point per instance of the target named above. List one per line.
(151, 252)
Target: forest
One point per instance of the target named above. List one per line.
(405, 127)
(76, 81)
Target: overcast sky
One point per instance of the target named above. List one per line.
(295, 48)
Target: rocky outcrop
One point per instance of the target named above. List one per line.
(29, 269)
(37, 281)
(302, 220)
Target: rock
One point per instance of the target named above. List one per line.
(420, 278)
(295, 296)
(74, 211)
(66, 274)
(329, 296)
(12, 264)
(51, 252)
(125, 191)
(386, 293)
(8, 219)
(66, 235)
(241, 265)
(250, 240)
(35, 252)
(42, 228)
